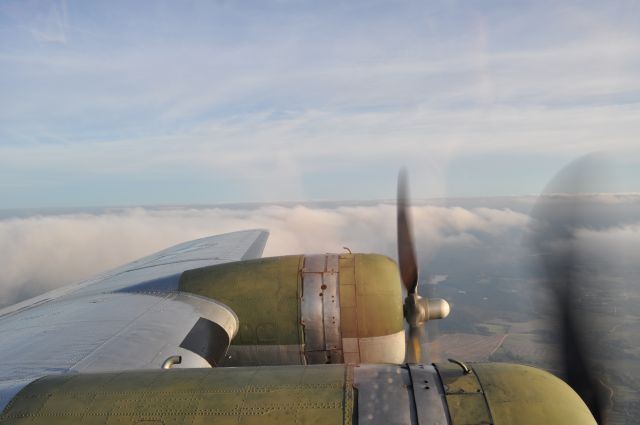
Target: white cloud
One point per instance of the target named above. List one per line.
(45, 21)
(438, 279)
(44, 252)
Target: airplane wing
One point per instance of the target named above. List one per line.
(132, 317)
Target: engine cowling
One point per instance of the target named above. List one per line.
(500, 394)
(308, 309)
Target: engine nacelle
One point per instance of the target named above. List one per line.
(484, 393)
(308, 309)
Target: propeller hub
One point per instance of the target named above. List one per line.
(437, 308)
(414, 310)
(418, 310)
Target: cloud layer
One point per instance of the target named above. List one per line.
(44, 252)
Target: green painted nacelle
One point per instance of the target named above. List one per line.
(503, 393)
(308, 309)
(489, 393)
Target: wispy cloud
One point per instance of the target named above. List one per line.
(45, 21)
(312, 92)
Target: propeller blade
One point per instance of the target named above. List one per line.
(406, 248)
(555, 221)
(417, 310)
(414, 344)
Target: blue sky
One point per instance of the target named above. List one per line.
(130, 103)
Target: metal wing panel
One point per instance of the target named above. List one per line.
(105, 333)
(161, 270)
(235, 246)
(130, 318)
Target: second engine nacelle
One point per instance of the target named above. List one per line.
(309, 309)
(488, 393)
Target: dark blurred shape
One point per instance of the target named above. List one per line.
(568, 275)
(406, 247)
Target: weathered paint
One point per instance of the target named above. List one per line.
(502, 393)
(465, 397)
(375, 349)
(263, 293)
(370, 296)
(283, 395)
(246, 396)
(258, 355)
(268, 297)
(524, 395)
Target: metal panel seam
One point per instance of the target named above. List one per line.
(460, 392)
(348, 395)
(412, 396)
(301, 341)
(484, 396)
(355, 301)
(127, 326)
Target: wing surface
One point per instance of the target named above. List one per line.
(132, 317)
(158, 272)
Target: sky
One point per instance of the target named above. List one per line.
(201, 102)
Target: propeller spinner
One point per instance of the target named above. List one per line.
(417, 309)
